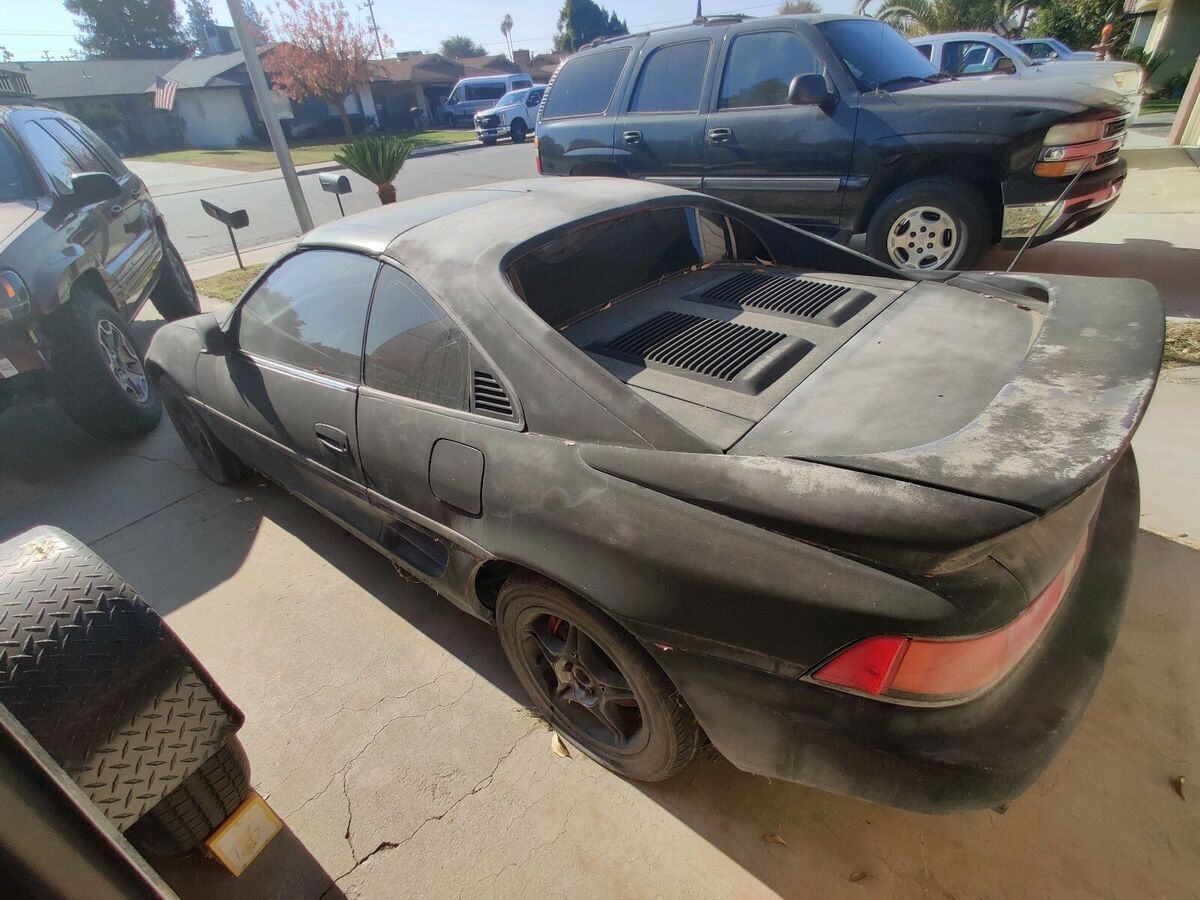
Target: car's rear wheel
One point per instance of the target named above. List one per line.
(930, 224)
(517, 131)
(592, 681)
(174, 296)
(99, 377)
(212, 457)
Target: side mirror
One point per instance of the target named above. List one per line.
(93, 187)
(1004, 66)
(810, 90)
(212, 336)
(1053, 54)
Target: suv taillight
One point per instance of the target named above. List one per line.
(928, 670)
(537, 155)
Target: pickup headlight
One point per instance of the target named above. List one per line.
(1077, 147)
(14, 297)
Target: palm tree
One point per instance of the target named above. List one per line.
(933, 16)
(377, 159)
(506, 27)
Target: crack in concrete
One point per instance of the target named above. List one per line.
(388, 845)
(545, 845)
(148, 515)
(162, 459)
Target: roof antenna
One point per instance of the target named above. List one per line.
(1035, 231)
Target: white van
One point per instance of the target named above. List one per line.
(480, 92)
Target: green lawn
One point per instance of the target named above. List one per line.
(228, 286)
(1159, 106)
(257, 159)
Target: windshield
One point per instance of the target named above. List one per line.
(876, 55)
(14, 177)
(512, 98)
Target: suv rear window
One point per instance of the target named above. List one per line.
(651, 244)
(585, 84)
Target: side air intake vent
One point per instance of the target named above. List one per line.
(489, 398)
(736, 356)
(787, 295)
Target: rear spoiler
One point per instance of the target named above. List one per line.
(1069, 412)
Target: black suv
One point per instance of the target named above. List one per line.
(82, 247)
(837, 124)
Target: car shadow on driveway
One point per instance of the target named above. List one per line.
(1172, 270)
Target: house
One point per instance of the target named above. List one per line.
(540, 65)
(1167, 26)
(423, 80)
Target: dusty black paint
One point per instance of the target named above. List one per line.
(754, 566)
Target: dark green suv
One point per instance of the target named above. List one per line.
(82, 247)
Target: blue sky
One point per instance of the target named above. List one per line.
(27, 27)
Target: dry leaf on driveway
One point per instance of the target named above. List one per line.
(772, 838)
(558, 746)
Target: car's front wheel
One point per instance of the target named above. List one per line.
(212, 457)
(99, 378)
(592, 681)
(930, 224)
(517, 131)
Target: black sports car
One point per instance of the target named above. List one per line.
(709, 474)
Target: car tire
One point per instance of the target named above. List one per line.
(185, 817)
(99, 377)
(517, 131)
(931, 224)
(215, 460)
(618, 707)
(174, 296)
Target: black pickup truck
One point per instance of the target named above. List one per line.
(837, 124)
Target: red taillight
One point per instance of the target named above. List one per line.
(923, 669)
(537, 156)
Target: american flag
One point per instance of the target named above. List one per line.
(164, 93)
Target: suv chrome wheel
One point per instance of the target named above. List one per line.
(923, 237)
(123, 361)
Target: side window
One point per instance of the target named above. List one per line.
(926, 50)
(968, 58)
(761, 66)
(585, 84)
(87, 156)
(535, 97)
(671, 79)
(413, 349)
(485, 91)
(310, 312)
(111, 161)
(521, 83)
(1039, 50)
(57, 162)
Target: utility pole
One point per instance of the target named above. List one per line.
(370, 7)
(266, 106)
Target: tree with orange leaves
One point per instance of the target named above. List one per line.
(322, 53)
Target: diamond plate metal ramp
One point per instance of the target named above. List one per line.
(99, 679)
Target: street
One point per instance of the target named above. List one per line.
(178, 193)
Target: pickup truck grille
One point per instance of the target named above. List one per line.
(711, 347)
(487, 121)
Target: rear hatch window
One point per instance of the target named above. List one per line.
(584, 85)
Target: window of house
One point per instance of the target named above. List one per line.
(413, 349)
(584, 85)
(760, 68)
(310, 312)
(671, 78)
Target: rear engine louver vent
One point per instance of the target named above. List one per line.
(489, 398)
(787, 295)
(710, 347)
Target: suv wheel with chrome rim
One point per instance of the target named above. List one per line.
(930, 224)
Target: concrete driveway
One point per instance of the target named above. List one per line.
(386, 729)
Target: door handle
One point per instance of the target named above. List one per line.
(632, 137)
(720, 135)
(333, 438)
